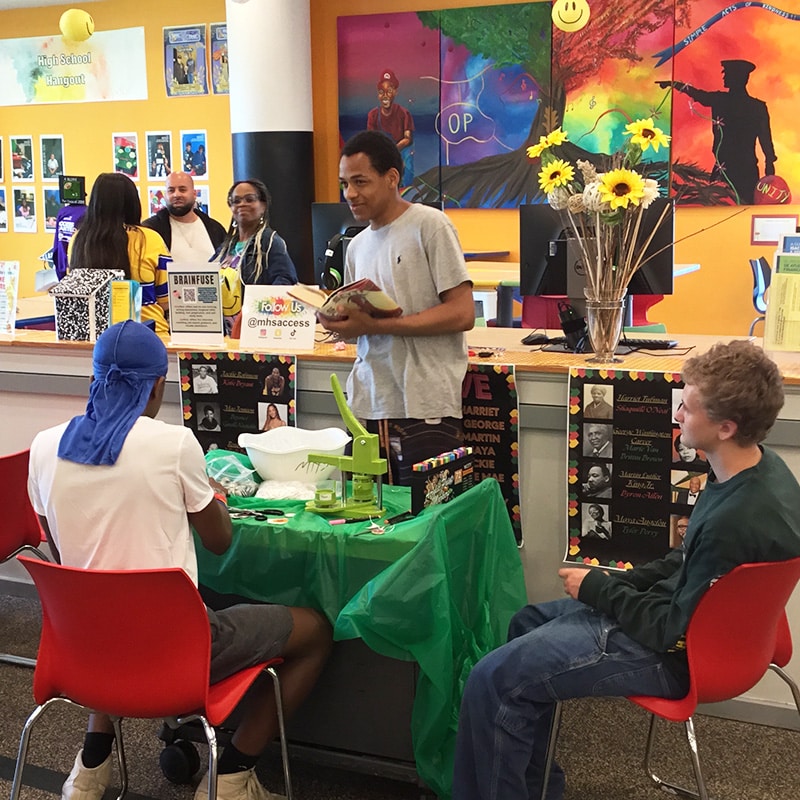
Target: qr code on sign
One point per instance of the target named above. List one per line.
(190, 295)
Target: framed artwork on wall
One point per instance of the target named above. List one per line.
(51, 150)
(22, 158)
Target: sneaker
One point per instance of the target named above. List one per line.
(84, 783)
(236, 786)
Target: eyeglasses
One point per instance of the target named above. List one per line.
(245, 198)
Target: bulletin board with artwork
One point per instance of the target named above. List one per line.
(632, 483)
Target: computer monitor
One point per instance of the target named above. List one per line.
(551, 263)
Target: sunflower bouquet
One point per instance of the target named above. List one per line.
(604, 208)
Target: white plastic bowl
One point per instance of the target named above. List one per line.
(282, 453)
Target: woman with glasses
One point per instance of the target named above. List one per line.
(251, 246)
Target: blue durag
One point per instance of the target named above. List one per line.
(128, 358)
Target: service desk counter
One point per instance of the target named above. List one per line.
(438, 589)
(43, 382)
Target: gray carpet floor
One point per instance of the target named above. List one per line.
(601, 748)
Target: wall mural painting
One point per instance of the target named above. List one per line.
(734, 83)
(482, 84)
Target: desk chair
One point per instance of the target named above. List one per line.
(737, 632)
(132, 644)
(19, 530)
(761, 278)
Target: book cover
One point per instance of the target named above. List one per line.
(363, 294)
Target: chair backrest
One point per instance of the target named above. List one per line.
(738, 627)
(761, 278)
(19, 525)
(129, 643)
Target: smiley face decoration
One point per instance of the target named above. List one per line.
(570, 15)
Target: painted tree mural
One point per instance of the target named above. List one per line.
(560, 64)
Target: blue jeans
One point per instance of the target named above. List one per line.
(556, 651)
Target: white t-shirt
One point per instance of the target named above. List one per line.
(190, 241)
(414, 259)
(131, 515)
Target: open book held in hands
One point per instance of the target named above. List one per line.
(363, 294)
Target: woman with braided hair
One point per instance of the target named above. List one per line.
(251, 248)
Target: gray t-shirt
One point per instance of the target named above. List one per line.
(414, 259)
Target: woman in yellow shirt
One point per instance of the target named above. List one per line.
(109, 237)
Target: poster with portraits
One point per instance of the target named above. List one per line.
(51, 205)
(159, 154)
(224, 394)
(51, 151)
(21, 158)
(24, 211)
(632, 482)
(490, 419)
(185, 61)
(220, 79)
(194, 155)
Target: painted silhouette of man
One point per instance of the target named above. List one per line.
(738, 120)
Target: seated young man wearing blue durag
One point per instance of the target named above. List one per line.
(116, 488)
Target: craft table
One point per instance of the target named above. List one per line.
(438, 590)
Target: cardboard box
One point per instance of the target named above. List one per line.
(440, 479)
(83, 303)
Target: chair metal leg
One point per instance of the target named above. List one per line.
(281, 730)
(671, 788)
(211, 738)
(22, 755)
(555, 726)
(121, 763)
(792, 685)
(17, 661)
(754, 323)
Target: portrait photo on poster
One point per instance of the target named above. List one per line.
(194, 155)
(21, 158)
(24, 211)
(207, 416)
(52, 205)
(272, 415)
(204, 379)
(51, 153)
(3, 211)
(159, 154)
(598, 401)
(185, 61)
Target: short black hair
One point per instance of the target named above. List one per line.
(381, 151)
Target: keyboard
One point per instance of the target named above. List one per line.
(639, 343)
(628, 342)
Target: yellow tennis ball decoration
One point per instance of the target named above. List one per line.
(76, 25)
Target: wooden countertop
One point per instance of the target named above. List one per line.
(503, 343)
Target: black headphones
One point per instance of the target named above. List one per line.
(333, 269)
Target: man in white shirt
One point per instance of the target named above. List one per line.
(189, 234)
(115, 488)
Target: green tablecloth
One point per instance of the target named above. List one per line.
(438, 589)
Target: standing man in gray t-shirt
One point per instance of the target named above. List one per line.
(406, 380)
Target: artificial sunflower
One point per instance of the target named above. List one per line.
(534, 151)
(556, 173)
(621, 188)
(644, 133)
(556, 137)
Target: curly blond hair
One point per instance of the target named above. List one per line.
(741, 383)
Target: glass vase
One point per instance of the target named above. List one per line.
(604, 318)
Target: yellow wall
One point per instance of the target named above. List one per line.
(87, 127)
(715, 300)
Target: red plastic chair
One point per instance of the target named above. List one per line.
(132, 644)
(20, 530)
(737, 632)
